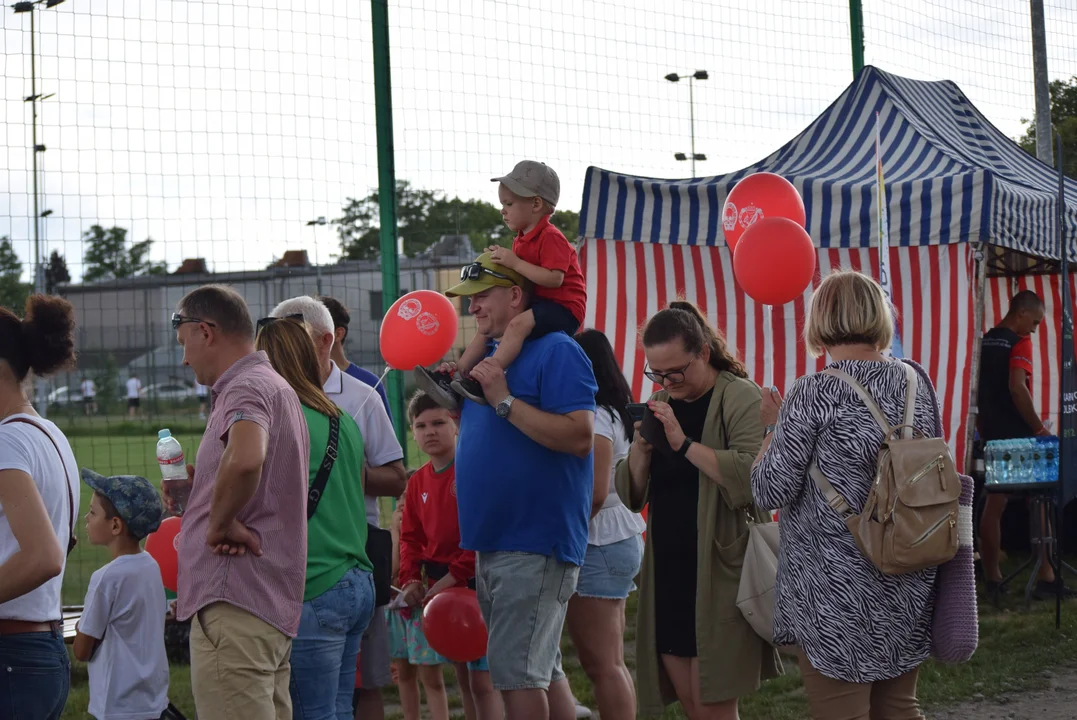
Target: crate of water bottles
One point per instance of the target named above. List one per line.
(1023, 461)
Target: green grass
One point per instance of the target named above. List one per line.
(131, 453)
(1016, 646)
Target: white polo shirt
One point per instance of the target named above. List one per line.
(363, 403)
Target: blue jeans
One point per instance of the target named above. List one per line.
(35, 675)
(325, 651)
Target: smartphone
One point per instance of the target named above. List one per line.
(637, 410)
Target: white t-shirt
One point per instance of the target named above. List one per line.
(133, 386)
(125, 611)
(26, 448)
(614, 522)
(88, 388)
(362, 402)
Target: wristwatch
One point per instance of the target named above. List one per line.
(504, 407)
(683, 449)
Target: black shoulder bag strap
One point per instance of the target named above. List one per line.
(72, 539)
(314, 495)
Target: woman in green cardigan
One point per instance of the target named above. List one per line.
(693, 645)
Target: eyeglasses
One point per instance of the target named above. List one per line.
(298, 317)
(178, 320)
(674, 376)
(474, 271)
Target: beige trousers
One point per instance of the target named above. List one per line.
(832, 699)
(240, 666)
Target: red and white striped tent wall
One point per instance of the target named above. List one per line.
(627, 282)
(953, 181)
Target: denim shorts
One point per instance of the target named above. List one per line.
(524, 598)
(609, 570)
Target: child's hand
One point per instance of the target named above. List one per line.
(503, 256)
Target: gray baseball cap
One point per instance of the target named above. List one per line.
(531, 178)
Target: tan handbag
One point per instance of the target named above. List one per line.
(756, 594)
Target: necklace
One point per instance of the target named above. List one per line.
(12, 411)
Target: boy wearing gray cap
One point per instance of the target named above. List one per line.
(121, 632)
(542, 255)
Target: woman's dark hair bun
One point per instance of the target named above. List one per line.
(48, 334)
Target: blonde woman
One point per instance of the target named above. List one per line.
(338, 600)
(861, 635)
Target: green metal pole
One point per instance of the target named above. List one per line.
(390, 267)
(856, 26)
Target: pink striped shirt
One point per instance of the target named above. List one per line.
(269, 587)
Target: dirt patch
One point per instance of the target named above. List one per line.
(1056, 702)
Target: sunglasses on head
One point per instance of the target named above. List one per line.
(298, 317)
(474, 271)
(178, 320)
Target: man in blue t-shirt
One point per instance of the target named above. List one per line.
(524, 478)
(341, 319)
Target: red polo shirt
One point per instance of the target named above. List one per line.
(547, 247)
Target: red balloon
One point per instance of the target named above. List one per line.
(756, 197)
(453, 625)
(774, 261)
(162, 546)
(418, 330)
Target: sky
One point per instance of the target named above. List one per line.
(220, 128)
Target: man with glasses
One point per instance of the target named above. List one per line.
(243, 549)
(385, 477)
(524, 479)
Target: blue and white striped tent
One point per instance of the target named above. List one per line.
(951, 177)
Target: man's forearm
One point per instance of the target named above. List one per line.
(560, 433)
(234, 489)
(388, 480)
(1022, 399)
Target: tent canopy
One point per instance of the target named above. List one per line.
(951, 177)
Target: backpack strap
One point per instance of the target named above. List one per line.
(73, 538)
(911, 382)
(833, 497)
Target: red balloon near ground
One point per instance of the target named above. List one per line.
(453, 625)
(774, 261)
(758, 197)
(161, 546)
(418, 330)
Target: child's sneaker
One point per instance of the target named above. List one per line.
(439, 386)
(471, 389)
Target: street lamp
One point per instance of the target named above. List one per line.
(697, 75)
(320, 220)
(33, 98)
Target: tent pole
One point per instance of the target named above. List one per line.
(979, 258)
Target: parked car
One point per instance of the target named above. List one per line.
(168, 391)
(64, 396)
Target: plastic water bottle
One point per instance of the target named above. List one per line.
(1003, 461)
(1048, 450)
(173, 470)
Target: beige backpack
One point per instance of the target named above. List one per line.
(909, 521)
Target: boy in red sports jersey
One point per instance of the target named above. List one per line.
(542, 255)
(431, 559)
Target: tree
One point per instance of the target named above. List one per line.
(423, 216)
(13, 291)
(108, 257)
(568, 222)
(56, 272)
(1064, 119)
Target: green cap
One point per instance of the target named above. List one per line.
(484, 274)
